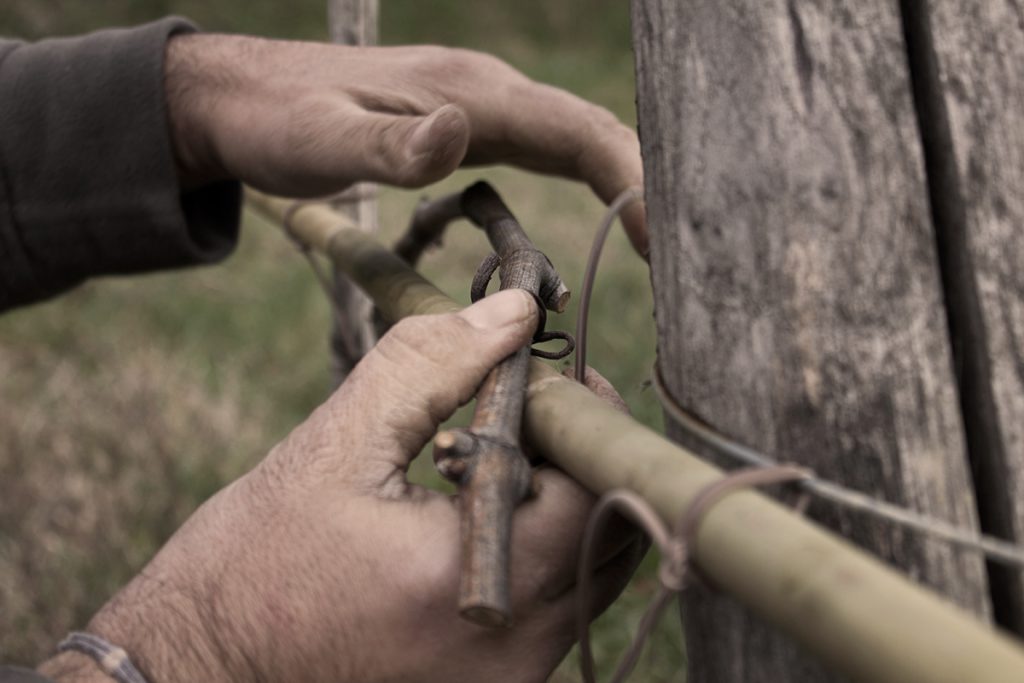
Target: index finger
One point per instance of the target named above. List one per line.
(545, 129)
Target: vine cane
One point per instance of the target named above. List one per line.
(486, 460)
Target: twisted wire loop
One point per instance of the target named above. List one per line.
(478, 290)
(558, 354)
(674, 568)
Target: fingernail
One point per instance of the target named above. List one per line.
(508, 307)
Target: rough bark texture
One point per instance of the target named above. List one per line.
(354, 22)
(968, 60)
(797, 286)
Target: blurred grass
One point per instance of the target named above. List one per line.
(127, 402)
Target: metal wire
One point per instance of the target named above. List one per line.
(625, 198)
(638, 511)
(991, 547)
(675, 546)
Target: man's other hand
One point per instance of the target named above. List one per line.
(308, 119)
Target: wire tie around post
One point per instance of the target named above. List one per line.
(676, 548)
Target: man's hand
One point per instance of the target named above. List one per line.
(307, 119)
(325, 564)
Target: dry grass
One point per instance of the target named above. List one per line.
(102, 456)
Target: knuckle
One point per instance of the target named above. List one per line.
(386, 138)
(606, 129)
(426, 337)
(425, 326)
(606, 120)
(462, 64)
(438, 346)
(483, 63)
(411, 330)
(428, 55)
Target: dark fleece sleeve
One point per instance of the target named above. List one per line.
(12, 674)
(88, 184)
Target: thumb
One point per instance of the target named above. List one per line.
(408, 151)
(418, 374)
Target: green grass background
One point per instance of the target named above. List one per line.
(127, 402)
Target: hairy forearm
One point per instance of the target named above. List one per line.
(201, 73)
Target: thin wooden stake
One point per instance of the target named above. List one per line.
(353, 22)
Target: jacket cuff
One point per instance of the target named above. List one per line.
(14, 674)
(88, 170)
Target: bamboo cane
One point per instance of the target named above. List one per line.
(862, 618)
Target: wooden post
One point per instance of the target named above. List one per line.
(968, 65)
(353, 22)
(798, 291)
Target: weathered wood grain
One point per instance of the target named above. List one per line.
(972, 80)
(798, 297)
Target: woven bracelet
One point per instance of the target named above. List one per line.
(113, 660)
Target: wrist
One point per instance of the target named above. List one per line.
(191, 91)
(72, 667)
(163, 634)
